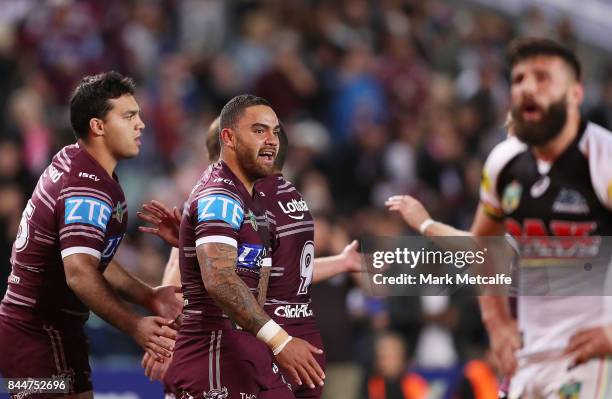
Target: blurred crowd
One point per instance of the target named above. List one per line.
(379, 98)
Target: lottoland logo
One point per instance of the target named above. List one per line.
(294, 206)
(412, 258)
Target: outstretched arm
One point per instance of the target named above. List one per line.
(495, 310)
(417, 217)
(349, 260)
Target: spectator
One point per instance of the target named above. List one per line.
(391, 379)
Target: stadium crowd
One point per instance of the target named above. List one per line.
(378, 98)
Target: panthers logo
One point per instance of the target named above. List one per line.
(216, 394)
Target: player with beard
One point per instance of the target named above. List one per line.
(551, 178)
(284, 292)
(294, 267)
(62, 259)
(226, 343)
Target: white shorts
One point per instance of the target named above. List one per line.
(546, 376)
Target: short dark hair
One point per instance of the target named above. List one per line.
(90, 99)
(283, 145)
(528, 47)
(233, 110)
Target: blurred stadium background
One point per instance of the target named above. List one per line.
(379, 97)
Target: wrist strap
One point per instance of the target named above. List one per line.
(274, 336)
(425, 225)
(268, 331)
(280, 347)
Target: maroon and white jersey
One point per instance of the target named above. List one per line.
(288, 299)
(219, 210)
(76, 207)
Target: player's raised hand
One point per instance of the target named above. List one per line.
(297, 359)
(590, 343)
(156, 371)
(505, 341)
(166, 222)
(164, 302)
(148, 332)
(353, 260)
(411, 209)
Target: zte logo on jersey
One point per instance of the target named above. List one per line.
(294, 206)
(89, 176)
(87, 210)
(220, 207)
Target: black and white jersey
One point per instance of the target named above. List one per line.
(571, 196)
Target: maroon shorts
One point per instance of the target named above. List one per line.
(314, 338)
(226, 363)
(45, 350)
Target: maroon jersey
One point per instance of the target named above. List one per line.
(76, 207)
(220, 210)
(288, 299)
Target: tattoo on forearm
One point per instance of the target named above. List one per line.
(262, 287)
(228, 290)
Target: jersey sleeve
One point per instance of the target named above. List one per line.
(596, 145)
(218, 217)
(501, 155)
(83, 215)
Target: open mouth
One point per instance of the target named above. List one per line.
(267, 156)
(531, 111)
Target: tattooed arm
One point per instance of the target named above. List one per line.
(262, 287)
(218, 268)
(218, 265)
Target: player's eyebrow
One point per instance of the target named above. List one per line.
(264, 126)
(131, 112)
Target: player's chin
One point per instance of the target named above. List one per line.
(132, 152)
(265, 169)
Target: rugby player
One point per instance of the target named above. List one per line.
(62, 259)
(224, 240)
(552, 177)
(293, 270)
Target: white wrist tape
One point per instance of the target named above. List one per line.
(268, 331)
(425, 225)
(279, 348)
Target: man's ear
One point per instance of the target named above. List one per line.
(578, 93)
(228, 138)
(96, 125)
(575, 94)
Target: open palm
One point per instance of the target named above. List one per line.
(166, 222)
